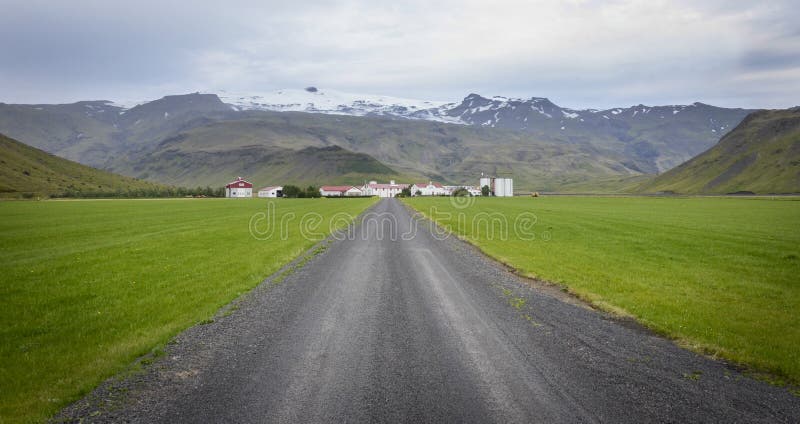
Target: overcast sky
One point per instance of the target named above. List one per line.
(579, 53)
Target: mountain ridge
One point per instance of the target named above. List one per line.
(545, 145)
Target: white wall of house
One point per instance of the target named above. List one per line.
(429, 190)
(239, 192)
(270, 192)
(329, 193)
(353, 191)
(383, 190)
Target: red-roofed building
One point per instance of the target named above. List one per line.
(325, 191)
(239, 188)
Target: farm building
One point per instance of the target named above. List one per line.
(276, 191)
(239, 188)
(383, 190)
(500, 187)
(429, 189)
(340, 191)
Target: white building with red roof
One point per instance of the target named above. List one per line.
(383, 190)
(429, 189)
(326, 191)
(239, 188)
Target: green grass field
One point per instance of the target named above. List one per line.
(89, 286)
(721, 275)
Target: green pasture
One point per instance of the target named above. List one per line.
(88, 286)
(720, 275)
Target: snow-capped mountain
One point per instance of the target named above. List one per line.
(643, 132)
(536, 114)
(318, 100)
(540, 114)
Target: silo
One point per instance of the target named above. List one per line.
(509, 187)
(499, 187)
(485, 181)
(503, 187)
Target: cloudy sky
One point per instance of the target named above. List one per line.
(579, 53)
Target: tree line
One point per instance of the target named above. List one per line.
(138, 193)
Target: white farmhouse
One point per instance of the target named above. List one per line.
(383, 190)
(429, 189)
(275, 191)
(239, 188)
(340, 191)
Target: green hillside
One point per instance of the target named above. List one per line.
(29, 172)
(181, 161)
(761, 155)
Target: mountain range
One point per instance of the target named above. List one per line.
(205, 139)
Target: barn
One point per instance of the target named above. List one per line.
(273, 191)
(327, 191)
(239, 188)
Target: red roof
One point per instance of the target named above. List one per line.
(340, 189)
(239, 183)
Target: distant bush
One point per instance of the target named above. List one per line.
(292, 191)
(460, 192)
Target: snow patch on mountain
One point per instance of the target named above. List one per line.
(321, 100)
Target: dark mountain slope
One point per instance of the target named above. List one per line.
(652, 139)
(178, 161)
(427, 150)
(761, 155)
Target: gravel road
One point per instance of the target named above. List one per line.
(382, 328)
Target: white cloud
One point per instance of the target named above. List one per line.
(580, 53)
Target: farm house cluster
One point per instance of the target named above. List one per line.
(243, 189)
(500, 187)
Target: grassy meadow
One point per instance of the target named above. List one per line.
(88, 286)
(721, 275)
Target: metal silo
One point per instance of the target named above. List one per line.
(485, 181)
(499, 187)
